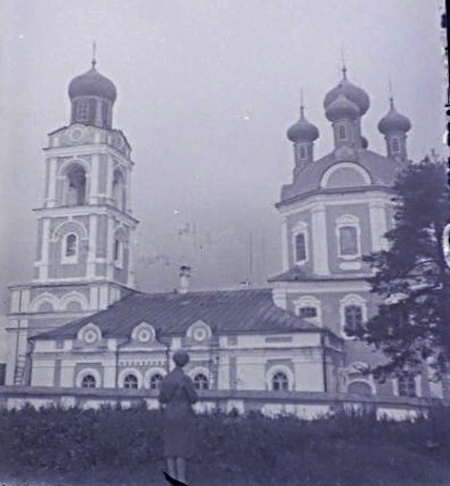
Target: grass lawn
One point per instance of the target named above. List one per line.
(385, 466)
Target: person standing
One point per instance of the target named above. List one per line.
(176, 397)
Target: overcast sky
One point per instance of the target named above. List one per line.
(206, 91)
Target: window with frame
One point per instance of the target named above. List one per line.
(88, 381)
(342, 132)
(280, 382)
(407, 386)
(308, 312)
(155, 381)
(348, 241)
(300, 247)
(201, 382)
(130, 381)
(353, 318)
(71, 246)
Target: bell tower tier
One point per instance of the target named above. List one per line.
(84, 244)
(85, 225)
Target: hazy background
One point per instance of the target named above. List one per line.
(206, 91)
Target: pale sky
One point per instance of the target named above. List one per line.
(206, 91)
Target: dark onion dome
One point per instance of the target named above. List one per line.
(92, 83)
(364, 142)
(302, 130)
(394, 121)
(342, 109)
(353, 93)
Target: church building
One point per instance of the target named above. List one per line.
(82, 323)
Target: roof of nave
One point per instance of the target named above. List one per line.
(297, 274)
(232, 311)
(382, 172)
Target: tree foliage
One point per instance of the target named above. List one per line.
(412, 278)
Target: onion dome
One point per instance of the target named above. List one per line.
(394, 121)
(349, 90)
(342, 109)
(92, 83)
(302, 130)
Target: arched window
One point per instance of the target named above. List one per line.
(75, 186)
(280, 382)
(201, 382)
(88, 381)
(300, 247)
(71, 245)
(119, 190)
(342, 133)
(348, 241)
(353, 316)
(118, 253)
(395, 145)
(407, 386)
(130, 381)
(155, 381)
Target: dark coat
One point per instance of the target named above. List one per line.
(177, 396)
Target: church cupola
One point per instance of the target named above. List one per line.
(92, 96)
(303, 134)
(344, 106)
(343, 114)
(394, 127)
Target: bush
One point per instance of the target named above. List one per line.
(349, 448)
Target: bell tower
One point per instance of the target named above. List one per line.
(85, 226)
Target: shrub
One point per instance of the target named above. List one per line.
(346, 448)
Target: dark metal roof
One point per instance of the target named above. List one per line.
(233, 311)
(382, 171)
(296, 274)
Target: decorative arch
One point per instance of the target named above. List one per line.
(199, 332)
(345, 174)
(278, 369)
(68, 163)
(86, 372)
(133, 372)
(67, 227)
(89, 334)
(45, 298)
(143, 333)
(309, 302)
(74, 297)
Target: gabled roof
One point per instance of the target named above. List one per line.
(233, 311)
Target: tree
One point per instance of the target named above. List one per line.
(412, 278)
